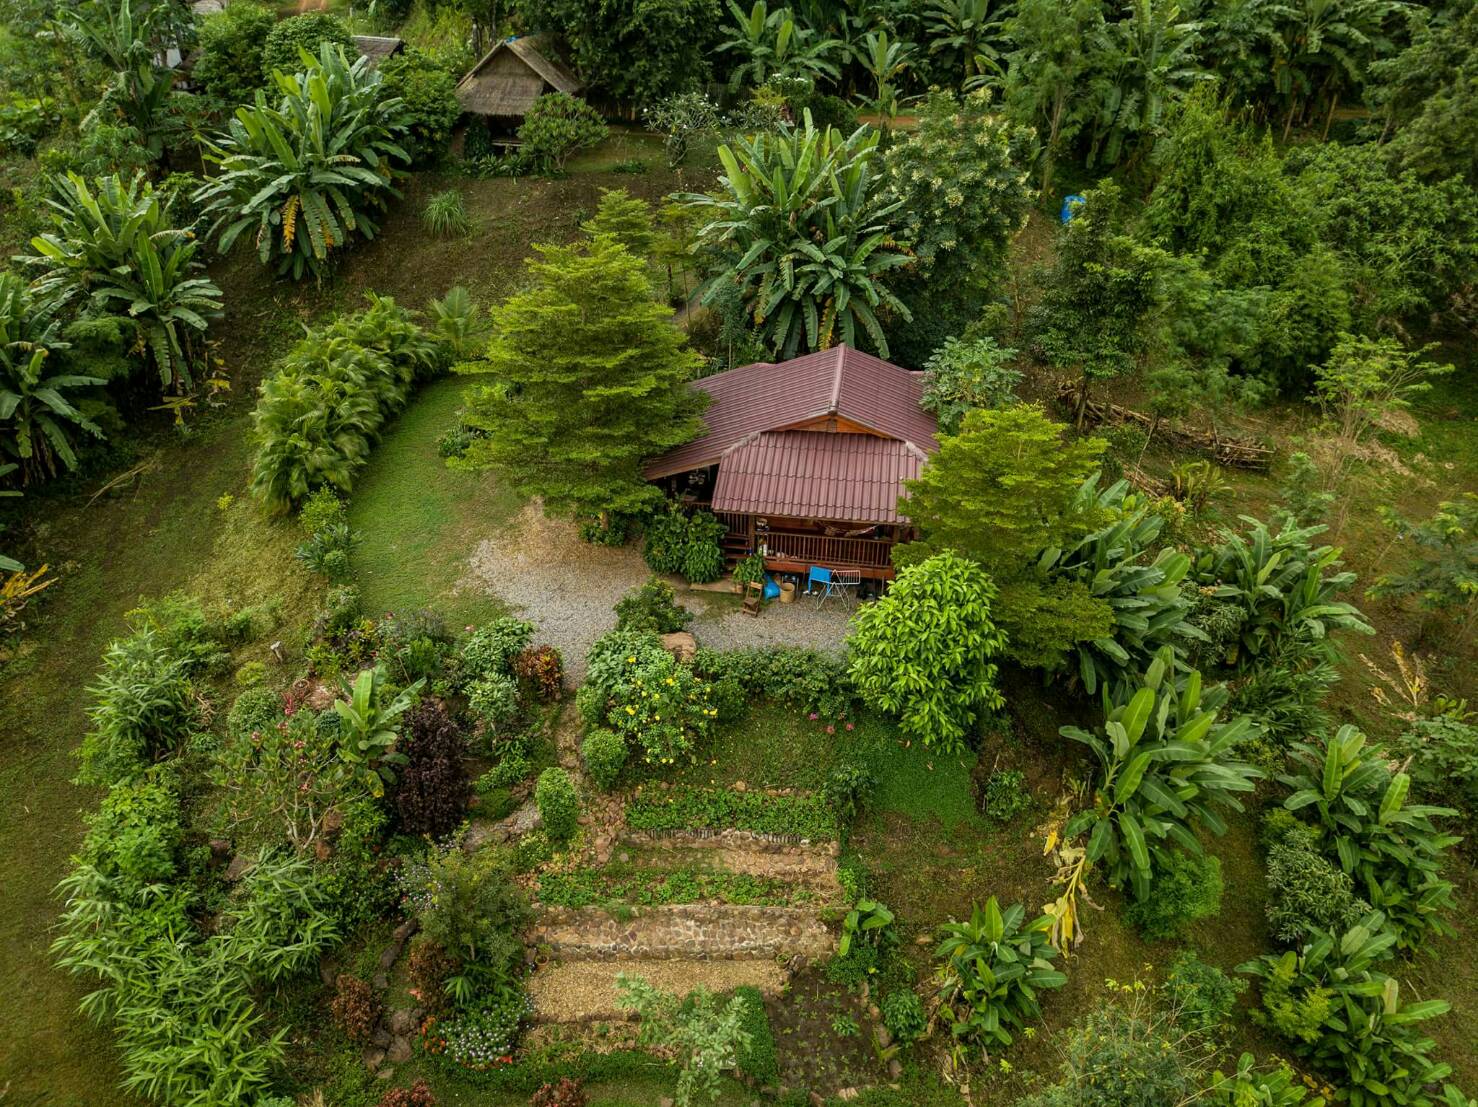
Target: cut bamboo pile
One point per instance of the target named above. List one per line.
(1232, 451)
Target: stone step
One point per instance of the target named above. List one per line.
(585, 991)
(694, 932)
(807, 867)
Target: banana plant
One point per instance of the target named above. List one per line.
(968, 34)
(38, 419)
(774, 45)
(1390, 847)
(866, 922)
(802, 226)
(1166, 764)
(367, 728)
(113, 247)
(992, 970)
(1121, 566)
(885, 60)
(1283, 585)
(1345, 1015)
(305, 176)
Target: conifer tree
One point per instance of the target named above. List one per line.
(587, 379)
(626, 219)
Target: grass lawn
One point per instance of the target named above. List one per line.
(419, 520)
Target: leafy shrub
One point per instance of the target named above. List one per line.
(417, 1095)
(229, 65)
(1390, 847)
(255, 709)
(686, 543)
(992, 968)
(558, 802)
(430, 794)
(542, 670)
(1249, 1087)
(1167, 763)
(428, 967)
(318, 415)
(1125, 1054)
(1006, 795)
(445, 215)
(645, 695)
(470, 907)
(684, 808)
(24, 120)
(815, 682)
(287, 775)
(705, 1035)
(309, 32)
(1441, 754)
(604, 753)
(847, 789)
(356, 1007)
(428, 92)
(1343, 1014)
(492, 648)
(566, 1093)
(652, 607)
(556, 126)
(493, 699)
(327, 551)
(1306, 891)
(903, 1015)
(143, 707)
(1186, 887)
(757, 1056)
(307, 173)
(1200, 996)
(134, 837)
(923, 651)
(963, 375)
(513, 768)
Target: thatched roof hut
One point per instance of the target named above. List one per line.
(510, 77)
(377, 47)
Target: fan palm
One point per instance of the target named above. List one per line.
(113, 245)
(305, 175)
(801, 225)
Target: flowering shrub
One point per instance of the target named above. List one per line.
(647, 696)
(481, 1039)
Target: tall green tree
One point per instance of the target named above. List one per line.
(625, 218)
(923, 651)
(1429, 93)
(635, 51)
(589, 380)
(803, 225)
(1000, 492)
(1101, 300)
(1048, 71)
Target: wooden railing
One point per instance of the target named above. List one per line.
(818, 549)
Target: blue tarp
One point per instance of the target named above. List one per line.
(1070, 206)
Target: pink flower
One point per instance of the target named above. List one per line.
(813, 716)
(831, 728)
(849, 726)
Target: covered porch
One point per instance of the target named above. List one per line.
(793, 545)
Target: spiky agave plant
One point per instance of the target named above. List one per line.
(307, 174)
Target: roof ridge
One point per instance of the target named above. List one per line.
(836, 379)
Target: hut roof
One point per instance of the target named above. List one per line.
(510, 77)
(377, 47)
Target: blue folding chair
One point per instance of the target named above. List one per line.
(834, 583)
(818, 577)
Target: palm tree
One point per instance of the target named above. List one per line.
(113, 246)
(773, 44)
(802, 227)
(38, 420)
(967, 32)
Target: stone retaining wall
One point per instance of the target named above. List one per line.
(701, 932)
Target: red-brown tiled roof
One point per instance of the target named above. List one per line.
(817, 475)
(840, 382)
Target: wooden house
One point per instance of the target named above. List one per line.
(805, 460)
(509, 78)
(377, 47)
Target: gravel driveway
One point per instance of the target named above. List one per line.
(540, 568)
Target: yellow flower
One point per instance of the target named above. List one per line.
(630, 710)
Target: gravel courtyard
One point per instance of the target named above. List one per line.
(568, 587)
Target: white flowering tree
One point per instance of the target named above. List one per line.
(961, 181)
